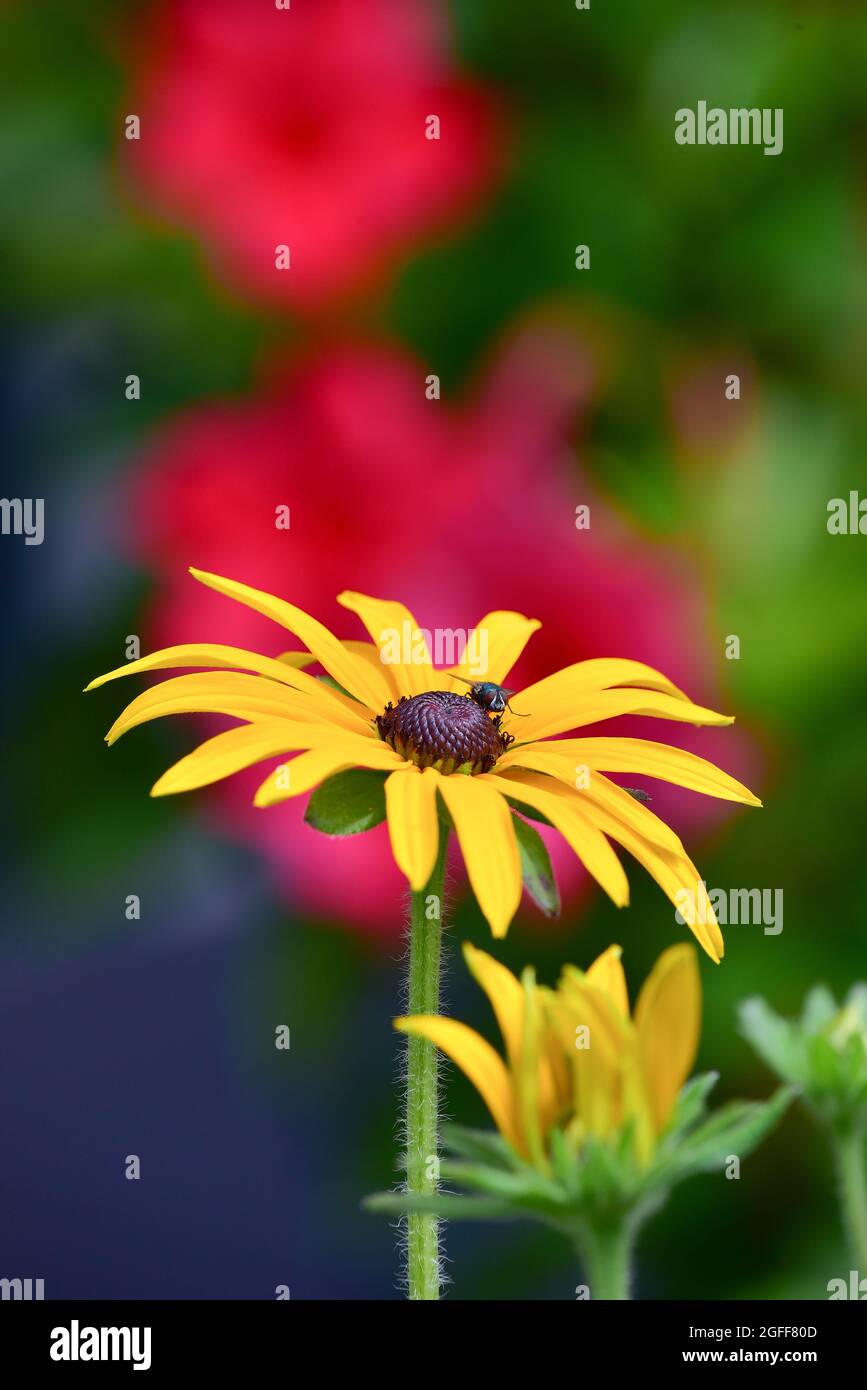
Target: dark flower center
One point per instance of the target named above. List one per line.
(443, 730)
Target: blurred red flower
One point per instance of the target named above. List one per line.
(306, 128)
(457, 508)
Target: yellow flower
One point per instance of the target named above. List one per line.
(424, 729)
(575, 1058)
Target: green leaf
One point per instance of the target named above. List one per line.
(348, 803)
(820, 1007)
(825, 1063)
(604, 1180)
(480, 1147)
(691, 1103)
(856, 1000)
(445, 1205)
(777, 1041)
(536, 868)
(564, 1162)
(736, 1129)
(529, 811)
(524, 1186)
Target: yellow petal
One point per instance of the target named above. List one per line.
(399, 640)
(592, 1090)
(354, 675)
(505, 995)
(203, 694)
(339, 707)
(668, 1021)
(604, 673)
(483, 822)
(555, 708)
(636, 1106)
(568, 816)
(493, 648)
(298, 660)
(606, 973)
(239, 748)
(586, 1015)
(650, 759)
(413, 825)
(309, 769)
(609, 1027)
(225, 692)
(610, 801)
(676, 875)
(548, 757)
(558, 1063)
(477, 1060)
(534, 1083)
(367, 652)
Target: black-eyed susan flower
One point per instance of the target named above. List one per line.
(439, 749)
(596, 1118)
(575, 1057)
(444, 748)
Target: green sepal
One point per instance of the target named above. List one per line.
(777, 1041)
(690, 1105)
(563, 1163)
(525, 1187)
(348, 803)
(732, 1131)
(480, 1146)
(605, 1175)
(536, 868)
(825, 1064)
(819, 1009)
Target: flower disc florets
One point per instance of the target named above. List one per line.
(443, 730)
